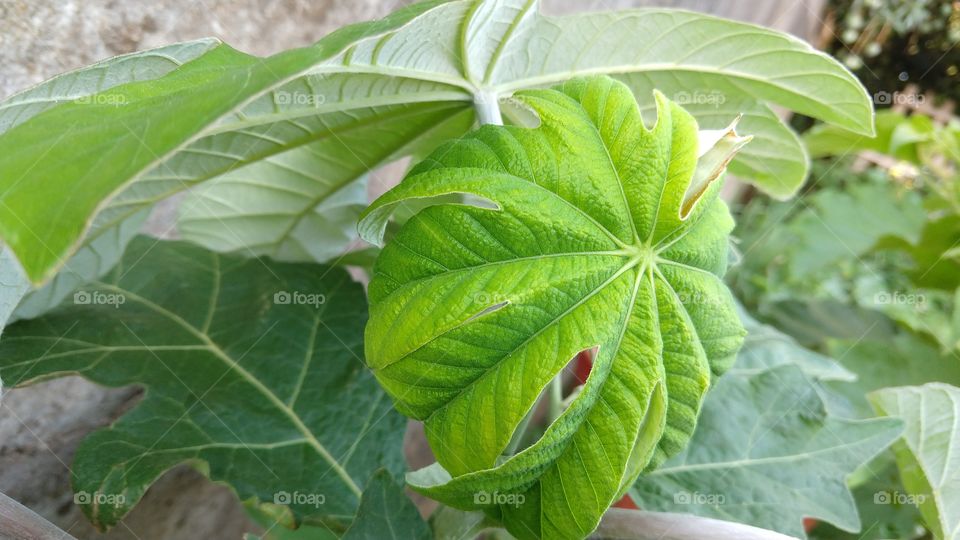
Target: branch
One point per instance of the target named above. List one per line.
(17, 522)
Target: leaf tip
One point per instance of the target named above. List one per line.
(715, 149)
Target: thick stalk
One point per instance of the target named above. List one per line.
(488, 108)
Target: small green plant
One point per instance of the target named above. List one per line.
(565, 201)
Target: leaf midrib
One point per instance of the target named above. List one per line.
(246, 375)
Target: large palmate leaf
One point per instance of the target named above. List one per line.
(429, 63)
(604, 234)
(251, 368)
(766, 452)
(929, 453)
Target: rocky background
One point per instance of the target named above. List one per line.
(41, 426)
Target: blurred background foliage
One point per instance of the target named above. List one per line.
(864, 265)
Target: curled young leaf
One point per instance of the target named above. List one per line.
(590, 240)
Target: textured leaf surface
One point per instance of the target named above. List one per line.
(929, 453)
(387, 513)
(138, 142)
(270, 397)
(767, 453)
(591, 244)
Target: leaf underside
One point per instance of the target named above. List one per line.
(475, 309)
(270, 397)
(146, 127)
(928, 455)
(768, 453)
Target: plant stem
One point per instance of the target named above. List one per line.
(488, 108)
(556, 397)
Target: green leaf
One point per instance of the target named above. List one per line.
(765, 348)
(139, 142)
(882, 516)
(903, 359)
(830, 140)
(302, 205)
(837, 225)
(161, 132)
(104, 247)
(929, 453)
(767, 453)
(95, 259)
(594, 240)
(775, 160)
(387, 513)
(13, 285)
(254, 390)
(82, 83)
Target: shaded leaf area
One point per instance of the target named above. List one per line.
(597, 232)
(387, 513)
(252, 369)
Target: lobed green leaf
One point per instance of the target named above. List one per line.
(598, 232)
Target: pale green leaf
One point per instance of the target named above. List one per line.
(104, 247)
(902, 359)
(593, 240)
(838, 225)
(929, 452)
(765, 347)
(256, 390)
(767, 453)
(84, 82)
(139, 142)
(90, 262)
(303, 204)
